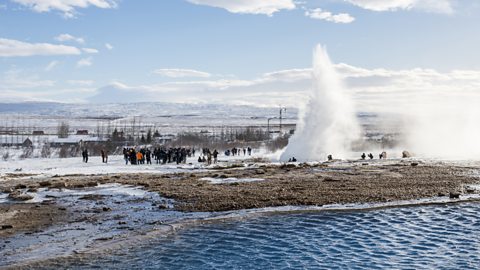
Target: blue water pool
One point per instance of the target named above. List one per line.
(421, 237)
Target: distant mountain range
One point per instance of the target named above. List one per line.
(157, 109)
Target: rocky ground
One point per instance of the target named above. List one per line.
(287, 184)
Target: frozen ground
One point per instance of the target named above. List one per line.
(48, 167)
(167, 117)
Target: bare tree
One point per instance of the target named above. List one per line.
(46, 151)
(63, 130)
(27, 152)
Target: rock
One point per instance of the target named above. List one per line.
(287, 165)
(441, 194)
(106, 209)
(92, 184)
(414, 164)
(45, 184)
(20, 196)
(59, 185)
(454, 195)
(6, 227)
(122, 222)
(163, 206)
(18, 169)
(6, 190)
(20, 186)
(406, 154)
(92, 197)
(260, 171)
(470, 190)
(47, 202)
(104, 238)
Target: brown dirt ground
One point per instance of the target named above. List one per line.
(28, 217)
(318, 184)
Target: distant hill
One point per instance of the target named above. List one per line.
(117, 93)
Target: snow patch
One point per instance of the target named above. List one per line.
(230, 180)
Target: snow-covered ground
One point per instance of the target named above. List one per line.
(47, 167)
(230, 180)
(166, 117)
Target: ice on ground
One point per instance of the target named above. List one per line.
(230, 180)
(3, 197)
(114, 189)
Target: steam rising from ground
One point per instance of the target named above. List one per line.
(328, 124)
(447, 128)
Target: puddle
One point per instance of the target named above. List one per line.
(3, 197)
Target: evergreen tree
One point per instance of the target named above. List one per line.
(149, 136)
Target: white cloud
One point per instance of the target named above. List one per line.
(17, 79)
(435, 6)
(68, 37)
(85, 62)
(51, 65)
(181, 73)
(265, 7)
(377, 90)
(108, 46)
(289, 75)
(90, 50)
(12, 48)
(320, 14)
(67, 7)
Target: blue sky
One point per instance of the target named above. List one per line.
(251, 52)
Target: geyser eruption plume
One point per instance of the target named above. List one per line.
(329, 124)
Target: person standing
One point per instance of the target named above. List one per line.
(125, 155)
(148, 156)
(102, 152)
(85, 155)
(215, 155)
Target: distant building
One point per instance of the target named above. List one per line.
(38, 132)
(15, 141)
(82, 132)
(77, 140)
(166, 138)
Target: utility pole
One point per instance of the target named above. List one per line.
(268, 125)
(282, 110)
